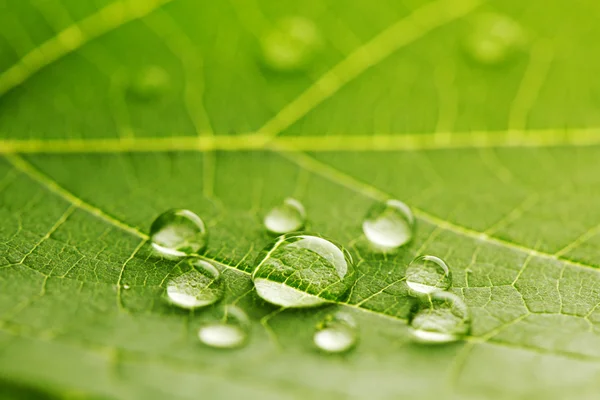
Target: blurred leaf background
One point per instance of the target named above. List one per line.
(112, 112)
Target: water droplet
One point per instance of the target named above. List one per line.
(389, 225)
(228, 331)
(302, 271)
(336, 334)
(428, 274)
(287, 217)
(493, 38)
(200, 286)
(151, 82)
(443, 318)
(290, 44)
(126, 287)
(178, 233)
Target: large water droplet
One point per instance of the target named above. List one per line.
(178, 233)
(200, 286)
(150, 83)
(493, 38)
(302, 271)
(389, 225)
(443, 318)
(428, 274)
(229, 330)
(336, 334)
(287, 217)
(290, 44)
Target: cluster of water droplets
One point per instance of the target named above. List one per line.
(197, 283)
(301, 270)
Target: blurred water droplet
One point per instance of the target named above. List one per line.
(428, 274)
(287, 217)
(443, 318)
(302, 271)
(229, 330)
(336, 334)
(126, 287)
(389, 225)
(291, 44)
(493, 38)
(177, 233)
(150, 83)
(199, 286)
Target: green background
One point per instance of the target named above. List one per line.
(499, 163)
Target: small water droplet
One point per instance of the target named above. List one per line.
(287, 217)
(443, 318)
(228, 331)
(291, 44)
(389, 225)
(428, 274)
(200, 286)
(126, 287)
(150, 83)
(177, 233)
(336, 334)
(302, 271)
(493, 38)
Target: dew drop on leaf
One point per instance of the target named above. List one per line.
(230, 329)
(199, 286)
(177, 233)
(290, 44)
(493, 38)
(336, 334)
(442, 318)
(428, 274)
(302, 271)
(389, 225)
(286, 217)
(150, 83)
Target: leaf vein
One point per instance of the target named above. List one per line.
(400, 34)
(74, 37)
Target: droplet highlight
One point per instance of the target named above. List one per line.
(389, 225)
(201, 285)
(287, 217)
(150, 83)
(302, 271)
(230, 330)
(428, 274)
(336, 334)
(493, 38)
(291, 44)
(177, 233)
(443, 318)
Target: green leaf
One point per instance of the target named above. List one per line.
(498, 162)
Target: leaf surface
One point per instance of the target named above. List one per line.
(499, 163)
